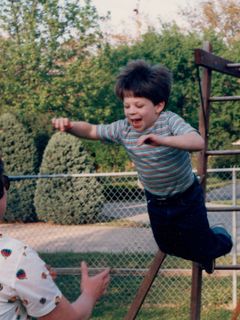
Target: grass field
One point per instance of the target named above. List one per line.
(168, 299)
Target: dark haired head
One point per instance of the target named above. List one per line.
(140, 79)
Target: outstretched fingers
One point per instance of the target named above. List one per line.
(96, 285)
(62, 124)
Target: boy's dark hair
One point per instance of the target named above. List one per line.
(141, 79)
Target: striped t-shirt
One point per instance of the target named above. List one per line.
(162, 170)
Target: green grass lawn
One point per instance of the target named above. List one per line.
(168, 299)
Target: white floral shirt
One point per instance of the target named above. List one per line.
(26, 287)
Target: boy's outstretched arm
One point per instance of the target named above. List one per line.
(80, 129)
(190, 141)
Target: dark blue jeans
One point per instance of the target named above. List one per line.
(180, 226)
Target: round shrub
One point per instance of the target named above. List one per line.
(20, 156)
(71, 200)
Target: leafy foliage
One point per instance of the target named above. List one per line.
(19, 155)
(59, 65)
(67, 200)
(169, 47)
(46, 41)
(218, 16)
(109, 157)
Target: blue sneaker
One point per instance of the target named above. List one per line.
(221, 230)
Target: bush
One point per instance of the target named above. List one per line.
(109, 157)
(229, 161)
(67, 200)
(20, 156)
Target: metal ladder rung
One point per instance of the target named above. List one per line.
(233, 65)
(230, 208)
(222, 152)
(228, 267)
(225, 98)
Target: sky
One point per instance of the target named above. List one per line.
(123, 14)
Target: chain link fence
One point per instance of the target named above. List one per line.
(122, 239)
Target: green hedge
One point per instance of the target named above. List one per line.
(68, 200)
(20, 156)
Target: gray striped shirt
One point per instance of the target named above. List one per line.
(162, 170)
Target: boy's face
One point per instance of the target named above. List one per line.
(141, 112)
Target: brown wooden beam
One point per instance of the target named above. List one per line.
(145, 286)
(213, 62)
(195, 310)
(204, 113)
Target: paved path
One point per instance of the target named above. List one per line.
(53, 238)
(100, 237)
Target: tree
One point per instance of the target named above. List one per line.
(220, 16)
(44, 39)
(19, 155)
(173, 48)
(168, 46)
(68, 200)
(43, 44)
(54, 71)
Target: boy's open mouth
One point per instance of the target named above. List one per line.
(136, 123)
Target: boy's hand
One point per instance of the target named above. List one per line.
(95, 286)
(151, 139)
(62, 124)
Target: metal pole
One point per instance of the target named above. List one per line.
(195, 312)
(234, 237)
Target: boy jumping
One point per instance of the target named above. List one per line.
(159, 142)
